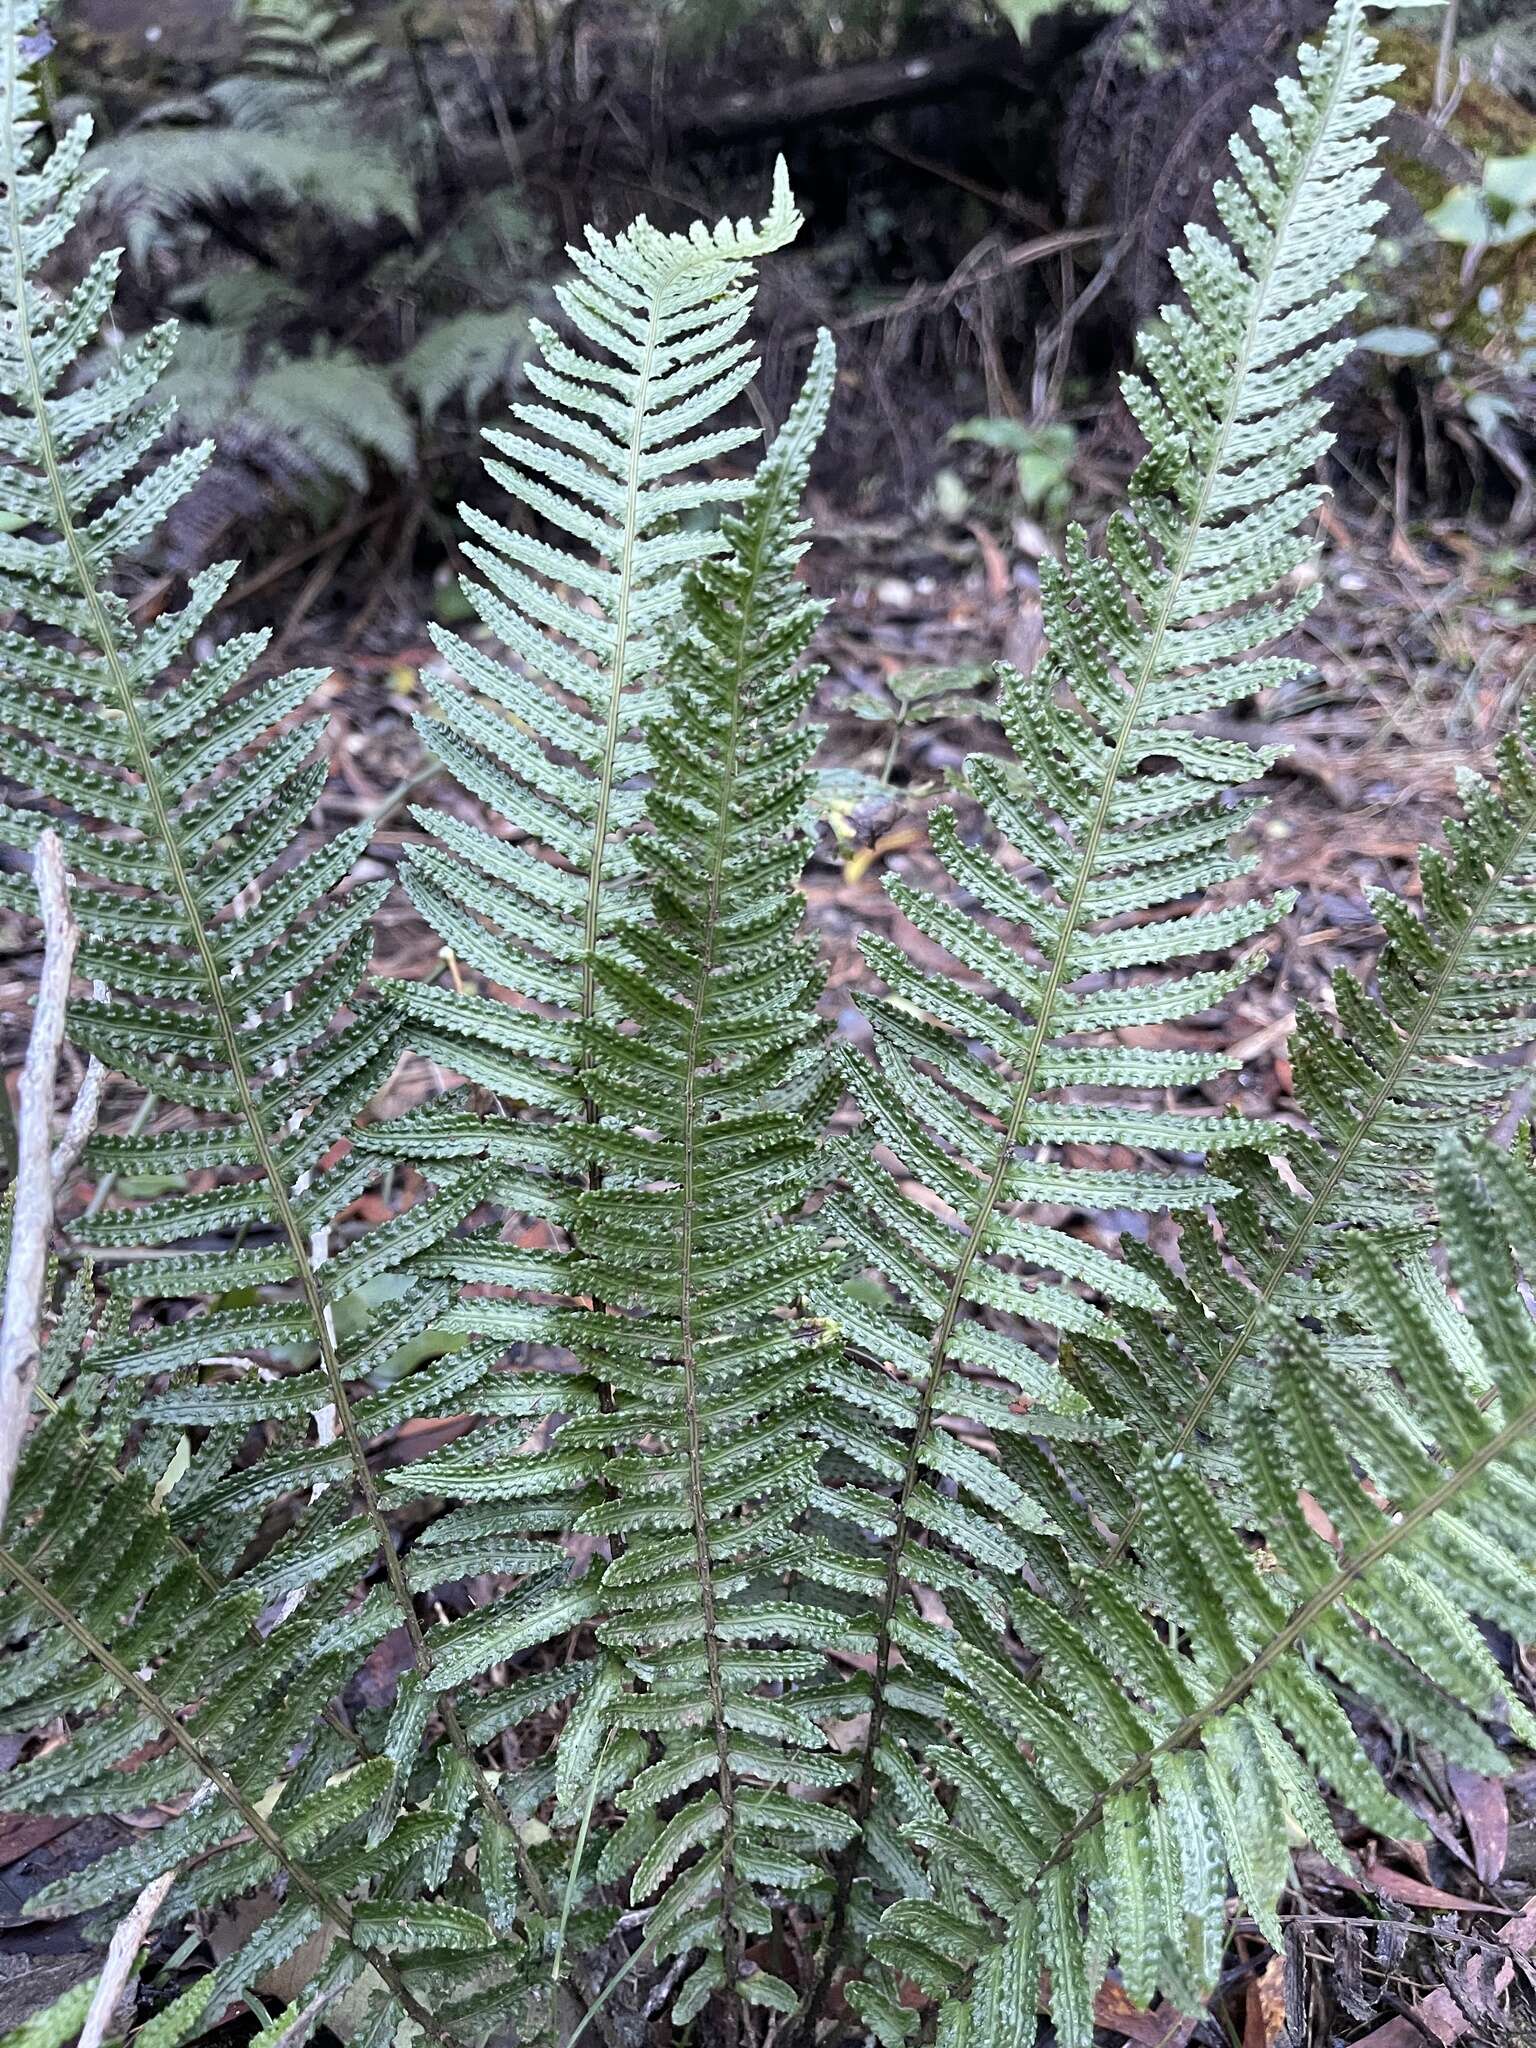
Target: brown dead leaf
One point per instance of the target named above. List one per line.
(1412, 1891)
(1264, 2020)
(994, 562)
(1446, 2018)
(1519, 1934)
(1160, 2029)
(21, 1833)
(1485, 1810)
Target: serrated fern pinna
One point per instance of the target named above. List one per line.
(831, 1575)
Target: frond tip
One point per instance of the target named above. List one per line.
(550, 739)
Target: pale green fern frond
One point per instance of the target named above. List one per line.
(466, 357)
(1121, 830)
(175, 1695)
(315, 420)
(272, 150)
(311, 43)
(1153, 1765)
(548, 739)
(230, 969)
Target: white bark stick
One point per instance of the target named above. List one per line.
(21, 1314)
(127, 1940)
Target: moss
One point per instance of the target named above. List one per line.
(1484, 122)
(1428, 288)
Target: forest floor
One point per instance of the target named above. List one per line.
(1417, 658)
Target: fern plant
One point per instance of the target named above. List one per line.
(1121, 812)
(313, 144)
(298, 39)
(873, 1585)
(229, 977)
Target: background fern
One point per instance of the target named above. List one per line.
(252, 191)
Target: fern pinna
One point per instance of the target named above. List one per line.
(1119, 818)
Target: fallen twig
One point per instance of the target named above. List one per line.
(127, 1940)
(32, 1201)
(82, 1117)
(930, 298)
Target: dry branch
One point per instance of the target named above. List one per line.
(32, 1197)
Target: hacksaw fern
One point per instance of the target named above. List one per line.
(1430, 1053)
(980, 1634)
(186, 1694)
(227, 968)
(1122, 831)
(706, 1137)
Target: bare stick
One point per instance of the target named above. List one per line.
(81, 1125)
(32, 1206)
(127, 1940)
(82, 1118)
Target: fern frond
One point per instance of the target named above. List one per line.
(549, 745)
(1203, 1742)
(278, 152)
(465, 357)
(301, 40)
(313, 421)
(548, 740)
(181, 1690)
(229, 968)
(1118, 816)
(1426, 1055)
(710, 1013)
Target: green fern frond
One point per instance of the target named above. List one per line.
(466, 357)
(319, 419)
(179, 1696)
(549, 740)
(1426, 1055)
(1118, 817)
(709, 1015)
(231, 972)
(1203, 1742)
(311, 43)
(270, 149)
